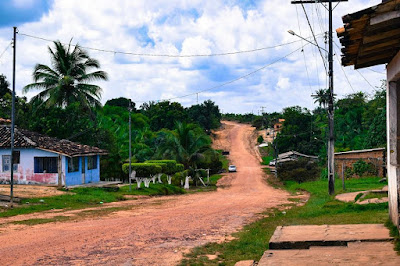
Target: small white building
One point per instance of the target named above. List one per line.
(40, 159)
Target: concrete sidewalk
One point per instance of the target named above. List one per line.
(355, 244)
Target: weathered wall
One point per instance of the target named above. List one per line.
(25, 172)
(76, 178)
(393, 134)
(346, 160)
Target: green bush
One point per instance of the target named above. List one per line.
(168, 166)
(260, 139)
(179, 167)
(361, 167)
(143, 169)
(301, 170)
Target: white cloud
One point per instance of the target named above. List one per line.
(191, 27)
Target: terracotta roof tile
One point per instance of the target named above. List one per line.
(27, 139)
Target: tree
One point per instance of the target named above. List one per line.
(207, 115)
(186, 144)
(67, 81)
(164, 114)
(321, 97)
(4, 86)
(121, 102)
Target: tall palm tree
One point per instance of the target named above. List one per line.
(67, 80)
(321, 97)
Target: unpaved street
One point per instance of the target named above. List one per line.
(157, 231)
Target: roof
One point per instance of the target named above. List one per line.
(360, 151)
(371, 36)
(290, 153)
(27, 139)
(5, 121)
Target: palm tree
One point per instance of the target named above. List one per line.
(185, 145)
(321, 97)
(68, 80)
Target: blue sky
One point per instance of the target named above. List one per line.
(180, 27)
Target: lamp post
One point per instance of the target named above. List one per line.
(331, 140)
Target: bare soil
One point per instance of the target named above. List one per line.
(31, 191)
(153, 231)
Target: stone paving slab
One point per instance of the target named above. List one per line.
(305, 236)
(356, 253)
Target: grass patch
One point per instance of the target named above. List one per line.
(394, 232)
(375, 195)
(36, 221)
(80, 198)
(267, 160)
(251, 242)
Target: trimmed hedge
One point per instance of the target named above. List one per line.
(143, 169)
(179, 167)
(168, 166)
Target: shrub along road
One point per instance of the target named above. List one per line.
(148, 233)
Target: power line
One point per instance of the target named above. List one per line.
(348, 81)
(167, 55)
(231, 81)
(365, 79)
(8, 46)
(315, 39)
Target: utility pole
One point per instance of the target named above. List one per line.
(13, 121)
(130, 154)
(262, 114)
(331, 139)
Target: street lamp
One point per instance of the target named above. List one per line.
(301, 37)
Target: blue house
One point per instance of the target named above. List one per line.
(40, 159)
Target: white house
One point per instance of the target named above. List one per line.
(40, 159)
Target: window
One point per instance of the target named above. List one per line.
(73, 164)
(7, 163)
(92, 162)
(46, 164)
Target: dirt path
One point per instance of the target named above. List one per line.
(152, 234)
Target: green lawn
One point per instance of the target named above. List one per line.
(252, 241)
(80, 198)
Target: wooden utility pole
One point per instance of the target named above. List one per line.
(13, 121)
(331, 139)
(130, 153)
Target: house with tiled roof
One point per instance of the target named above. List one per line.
(39, 159)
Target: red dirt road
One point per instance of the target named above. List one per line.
(156, 231)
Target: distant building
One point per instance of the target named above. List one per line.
(279, 125)
(293, 156)
(377, 157)
(40, 159)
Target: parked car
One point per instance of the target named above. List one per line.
(232, 168)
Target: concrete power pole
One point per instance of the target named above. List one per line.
(331, 139)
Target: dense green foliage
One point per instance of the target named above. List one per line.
(301, 170)
(143, 169)
(168, 166)
(360, 123)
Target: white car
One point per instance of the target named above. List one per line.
(232, 168)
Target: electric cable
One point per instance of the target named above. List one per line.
(169, 55)
(5, 50)
(228, 82)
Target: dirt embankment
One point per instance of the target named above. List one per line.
(154, 231)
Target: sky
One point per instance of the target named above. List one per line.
(280, 71)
